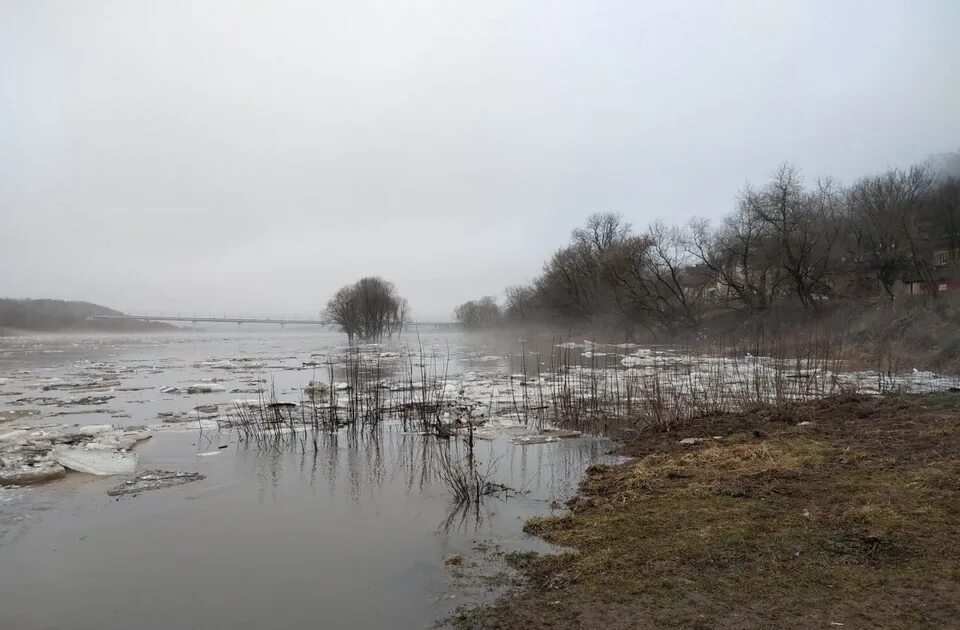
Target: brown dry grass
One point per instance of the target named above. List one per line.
(853, 519)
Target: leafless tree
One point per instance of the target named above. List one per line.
(741, 259)
(805, 227)
(521, 302)
(626, 269)
(600, 232)
(886, 235)
(571, 284)
(941, 210)
(783, 240)
(343, 309)
(368, 309)
(400, 316)
(678, 284)
(653, 279)
(479, 314)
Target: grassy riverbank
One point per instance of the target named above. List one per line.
(850, 520)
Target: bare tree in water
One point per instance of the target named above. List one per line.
(368, 309)
(479, 314)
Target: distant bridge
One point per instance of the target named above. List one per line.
(196, 319)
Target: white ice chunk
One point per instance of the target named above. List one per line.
(14, 436)
(205, 388)
(92, 430)
(95, 462)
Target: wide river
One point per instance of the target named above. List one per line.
(352, 534)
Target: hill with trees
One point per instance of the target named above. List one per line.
(46, 315)
(788, 244)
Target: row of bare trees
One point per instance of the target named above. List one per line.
(786, 241)
(368, 309)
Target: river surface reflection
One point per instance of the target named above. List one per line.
(351, 534)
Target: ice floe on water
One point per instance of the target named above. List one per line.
(196, 388)
(37, 454)
(516, 393)
(95, 461)
(11, 415)
(154, 480)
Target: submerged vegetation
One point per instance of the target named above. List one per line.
(574, 386)
(580, 385)
(773, 485)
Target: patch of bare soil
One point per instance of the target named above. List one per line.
(843, 512)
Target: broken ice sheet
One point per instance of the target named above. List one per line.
(154, 480)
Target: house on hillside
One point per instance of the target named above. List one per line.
(698, 282)
(946, 271)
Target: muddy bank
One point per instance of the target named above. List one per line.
(839, 512)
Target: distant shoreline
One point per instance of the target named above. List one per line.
(26, 316)
(8, 331)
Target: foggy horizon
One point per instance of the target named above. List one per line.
(251, 160)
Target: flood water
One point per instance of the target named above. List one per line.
(352, 534)
(347, 529)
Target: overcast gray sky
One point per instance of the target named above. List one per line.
(251, 157)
